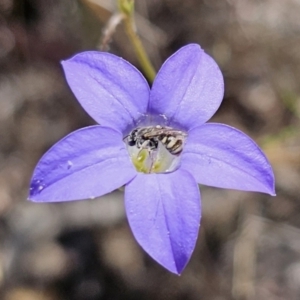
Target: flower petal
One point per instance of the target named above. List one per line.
(110, 89)
(188, 89)
(164, 212)
(221, 156)
(87, 163)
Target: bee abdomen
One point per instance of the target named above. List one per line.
(171, 142)
(178, 147)
(174, 145)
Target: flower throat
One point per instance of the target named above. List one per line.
(155, 149)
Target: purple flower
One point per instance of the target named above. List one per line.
(162, 198)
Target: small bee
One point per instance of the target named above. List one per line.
(149, 137)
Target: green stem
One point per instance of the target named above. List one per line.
(137, 45)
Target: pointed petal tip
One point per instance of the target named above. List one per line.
(32, 198)
(268, 187)
(271, 188)
(273, 193)
(69, 59)
(191, 46)
(33, 195)
(179, 270)
(67, 62)
(76, 55)
(270, 191)
(64, 61)
(176, 270)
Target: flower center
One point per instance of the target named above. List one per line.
(155, 149)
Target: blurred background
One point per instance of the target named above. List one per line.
(249, 243)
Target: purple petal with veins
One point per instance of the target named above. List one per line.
(188, 88)
(164, 215)
(222, 156)
(110, 89)
(88, 163)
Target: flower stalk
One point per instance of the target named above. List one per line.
(126, 7)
